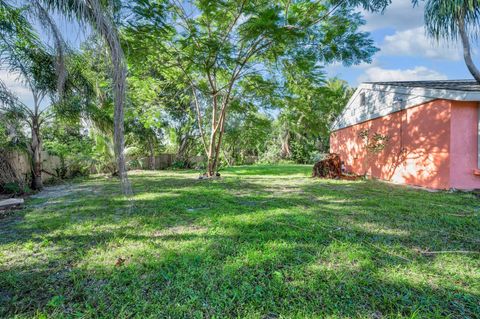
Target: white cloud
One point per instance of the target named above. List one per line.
(400, 15)
(378, 74)
(16, 87)
(414, 42)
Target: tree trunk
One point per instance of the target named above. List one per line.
(62, 172)
(118, 117)
(219, 143)
(151, 157)
(183, 143)
(227, 159)
(110, 34)
(210, 169)
(467, 54)
(286, 153)
(36, 147)
(211, 152)
(212, 159)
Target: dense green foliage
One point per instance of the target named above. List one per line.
(71, 145)
(262, 242)
(249, 72)
(246, 55)
(219, 84)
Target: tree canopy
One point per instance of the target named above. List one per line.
(222, 80)
(236, 51)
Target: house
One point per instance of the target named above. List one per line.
(424, 133)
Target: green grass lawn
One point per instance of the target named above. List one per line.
(262, 242)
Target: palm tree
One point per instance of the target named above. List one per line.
(23, 55)
(449, 19)
(95, 14)
(35, 65)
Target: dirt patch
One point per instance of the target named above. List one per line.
(55, 191)
(63, 194)
(350, 177)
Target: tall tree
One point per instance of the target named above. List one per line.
(160, 96)
(451, 19)
(23, 55)
(219, 45)
(309, 106)
(98, 14)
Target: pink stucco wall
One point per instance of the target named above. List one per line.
(417, 153)
(464, 145)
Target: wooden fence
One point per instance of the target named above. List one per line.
(21, 163)
(161, 161)
(164, 161)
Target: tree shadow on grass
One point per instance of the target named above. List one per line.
(240, 249)
(251, 270)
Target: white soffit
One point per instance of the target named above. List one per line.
(381, 100)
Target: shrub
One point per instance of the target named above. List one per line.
(14, 189)
(181, 164)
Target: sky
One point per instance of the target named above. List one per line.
(406, 54)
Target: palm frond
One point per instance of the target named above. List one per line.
(442, 18)
(46, 20)
(10, 103)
